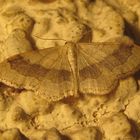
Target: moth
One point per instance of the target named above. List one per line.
(63, 71)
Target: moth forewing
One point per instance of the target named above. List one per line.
(102, 65)
(50, 77)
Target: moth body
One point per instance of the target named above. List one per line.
(72, 57)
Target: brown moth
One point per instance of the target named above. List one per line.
(58, 72)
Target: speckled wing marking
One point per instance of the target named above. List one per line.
(101, 65)
(46, 71)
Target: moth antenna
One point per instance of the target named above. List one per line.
(50, 38)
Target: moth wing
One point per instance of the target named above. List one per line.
(46, 71)
(101, 65)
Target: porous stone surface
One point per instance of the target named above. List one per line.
(38, 24)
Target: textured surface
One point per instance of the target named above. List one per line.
(46, 55)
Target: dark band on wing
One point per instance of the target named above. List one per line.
(117, 58)
(24, 67)
(123, 53)
(90, 71)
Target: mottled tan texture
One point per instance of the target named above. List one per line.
(41, 24)
(132, 110)
(117, 126)
(89, 133)
(12, 44)
(11, 134)
(51, 134)
(130, 11)
(122, 97)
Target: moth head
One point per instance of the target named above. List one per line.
(70, 44)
